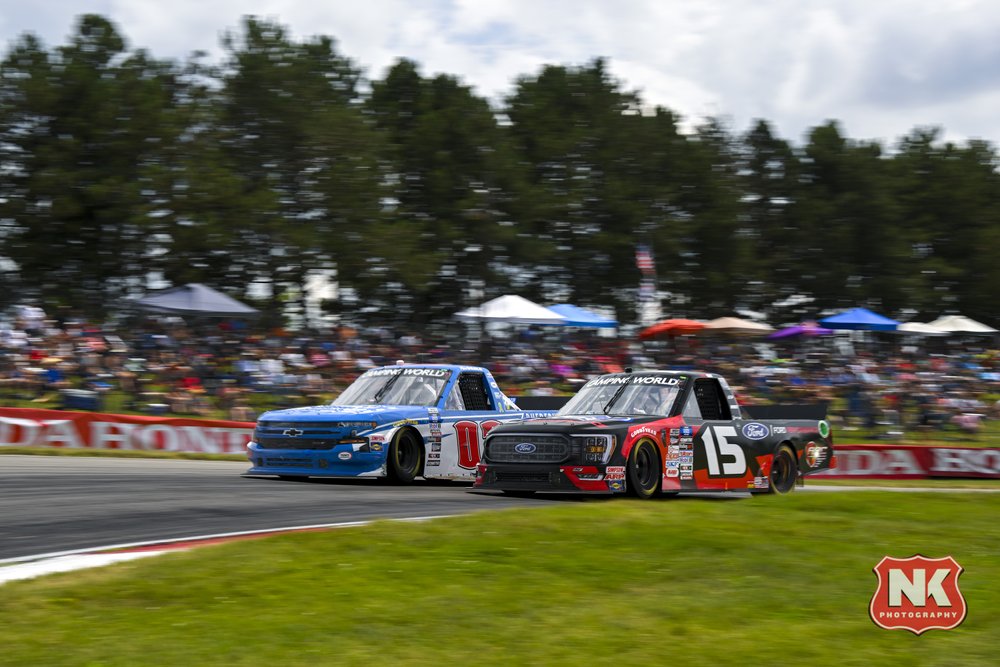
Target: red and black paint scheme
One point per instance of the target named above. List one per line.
(651, 433)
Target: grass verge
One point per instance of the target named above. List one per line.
(680, 582)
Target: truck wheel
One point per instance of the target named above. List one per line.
(644, 470)
(784, 471)
(406, 453)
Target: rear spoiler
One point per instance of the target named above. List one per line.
(808, 411)
(540, 402)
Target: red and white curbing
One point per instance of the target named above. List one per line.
(29, 567)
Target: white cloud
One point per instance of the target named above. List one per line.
(882, 67)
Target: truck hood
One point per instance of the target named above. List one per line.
(339, 413)
(573, 423)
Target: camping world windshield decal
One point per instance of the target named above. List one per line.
(635, 379)
(423, 372)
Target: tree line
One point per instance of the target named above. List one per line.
(418, 197)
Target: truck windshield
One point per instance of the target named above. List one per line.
(625, 395)
(396, 386)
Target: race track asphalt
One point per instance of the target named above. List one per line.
(53, 504)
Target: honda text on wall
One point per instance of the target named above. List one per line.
(649, 433)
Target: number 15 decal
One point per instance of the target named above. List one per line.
(725, 458)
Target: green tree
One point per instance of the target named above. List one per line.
(448, 234)
(590, 190)
(949, 200)
(295, 147)
(83, 128)
(768, 169)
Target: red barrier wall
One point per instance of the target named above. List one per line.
(25, 427)
(912, 462)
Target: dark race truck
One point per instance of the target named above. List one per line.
(649, 433)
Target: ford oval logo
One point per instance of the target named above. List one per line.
(755, 431)
(524, 448)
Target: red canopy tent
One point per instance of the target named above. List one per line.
(672, 327)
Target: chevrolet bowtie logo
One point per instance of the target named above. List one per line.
(292, 432)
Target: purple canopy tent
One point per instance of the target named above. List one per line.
(804, 329)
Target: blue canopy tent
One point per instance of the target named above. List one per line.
(859, 319)
(581, 317)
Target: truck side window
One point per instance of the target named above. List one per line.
(691, 410)
(454, 400)
(711, 400)
(474, 393)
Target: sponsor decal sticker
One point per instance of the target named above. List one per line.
(655, 379)
(672, 464)
(344, 456)
(644, 430)
(435, 446)
(917, 594)
(779, 430)
(686, 432)
(375, 446)
(815, 454)
(824, 429)
(671, 472)
(756, 431)
(616, 485)
(759, 482)
(426, 372)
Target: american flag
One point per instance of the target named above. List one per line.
(644, 260)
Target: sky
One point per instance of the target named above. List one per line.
(881, 68)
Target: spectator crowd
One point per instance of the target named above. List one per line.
(231, 371)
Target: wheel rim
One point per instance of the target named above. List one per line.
(781, 472)
(406, 454)
(644, 467)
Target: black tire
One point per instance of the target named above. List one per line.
(406, 455)
(784, 471)
(644, 473)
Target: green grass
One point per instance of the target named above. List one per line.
(678, 582)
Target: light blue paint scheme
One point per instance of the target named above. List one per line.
(370, 429)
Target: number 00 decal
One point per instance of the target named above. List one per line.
(725, 459)
(468, 435)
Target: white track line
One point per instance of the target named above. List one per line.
(28, 567)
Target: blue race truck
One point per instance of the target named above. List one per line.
(398, 422)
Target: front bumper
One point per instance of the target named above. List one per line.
(341, 461)
(547, 477)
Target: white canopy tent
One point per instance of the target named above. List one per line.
(735, 326)
(961, 324)
(920, 328)
(511, 309)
